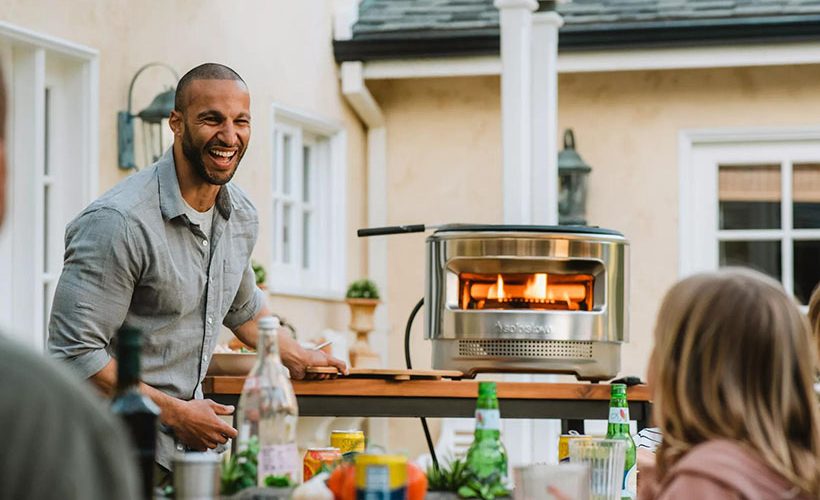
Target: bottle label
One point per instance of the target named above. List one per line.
(278, 460)
(630, 486)
(619, 415)
(489, 420)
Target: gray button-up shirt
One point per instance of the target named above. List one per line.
(134, 258)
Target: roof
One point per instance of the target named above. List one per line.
(389, 29)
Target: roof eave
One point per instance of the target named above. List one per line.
(674, 33)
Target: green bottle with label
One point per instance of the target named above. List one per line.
(487, 457)
(618, 428)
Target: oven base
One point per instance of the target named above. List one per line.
(587, 360)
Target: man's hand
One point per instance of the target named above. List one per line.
(197, 425)
(298, 359)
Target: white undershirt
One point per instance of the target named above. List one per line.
(202, 219)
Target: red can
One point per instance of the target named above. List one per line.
(317, 458)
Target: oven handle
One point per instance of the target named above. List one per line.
(381, 231)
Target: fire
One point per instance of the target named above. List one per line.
(526, 291)
(536, 287)
(497, 291)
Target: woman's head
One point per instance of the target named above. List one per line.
(733, 359)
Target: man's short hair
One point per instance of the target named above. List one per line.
(207, 71)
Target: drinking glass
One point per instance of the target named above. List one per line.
(605, 459)
(551, 482)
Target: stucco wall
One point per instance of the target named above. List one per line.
(444, 162)
(281, 48)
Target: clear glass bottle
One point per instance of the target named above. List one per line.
(137, 411)
(268, 413)
(618, 428)
(487, 456)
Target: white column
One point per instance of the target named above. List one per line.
(516, 84)
(544, 184)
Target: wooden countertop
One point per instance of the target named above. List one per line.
(433, 389)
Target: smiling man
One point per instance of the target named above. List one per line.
(167, 251)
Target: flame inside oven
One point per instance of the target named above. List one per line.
(538, 291)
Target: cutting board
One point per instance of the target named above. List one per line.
(388, 373)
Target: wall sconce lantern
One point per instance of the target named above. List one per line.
(151, 118)
(572, 191)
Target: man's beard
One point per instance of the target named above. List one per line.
(195, 155)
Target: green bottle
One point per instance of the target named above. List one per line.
(618, 428)
(487, 457)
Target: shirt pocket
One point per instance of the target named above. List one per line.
(232, 271)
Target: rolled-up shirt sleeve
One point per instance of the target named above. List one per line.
(247, 302)
(92, 298)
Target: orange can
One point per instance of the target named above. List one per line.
(316, 458)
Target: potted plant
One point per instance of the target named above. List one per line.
(260, 274)
(362, 297)
(455, 481)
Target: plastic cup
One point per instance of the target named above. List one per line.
(551, 482)
(605, 459)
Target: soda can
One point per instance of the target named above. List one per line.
(316, 458)
(563, 445)
(381, 477)
(347, 441)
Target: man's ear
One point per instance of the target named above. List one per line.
(176, 123)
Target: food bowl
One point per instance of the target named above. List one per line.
(231, 363)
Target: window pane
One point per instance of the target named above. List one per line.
(287, 143)
(306, 159)
(806, 188)
(46, 132)
(306, 228)
(806, 268)
(763, 256)
(749, 196)
(286, 234)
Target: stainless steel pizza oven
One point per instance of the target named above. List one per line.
(534, 299)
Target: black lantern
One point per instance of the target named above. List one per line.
(572, 191)
(151, 118)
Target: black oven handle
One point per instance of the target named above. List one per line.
(382, 231)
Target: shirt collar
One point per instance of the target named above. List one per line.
(171, 203)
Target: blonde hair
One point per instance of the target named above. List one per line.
(734, 359)
(814, 314)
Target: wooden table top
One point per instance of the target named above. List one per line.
(433, 388)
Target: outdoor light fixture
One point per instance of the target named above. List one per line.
(151, 118)
(572, 191)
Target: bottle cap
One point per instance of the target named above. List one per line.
(486, 388)
(269, 323)
(618, 390)
(129, 336)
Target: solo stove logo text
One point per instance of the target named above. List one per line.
(512, 328)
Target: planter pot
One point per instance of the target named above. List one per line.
(361, 314)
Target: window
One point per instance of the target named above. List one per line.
(753, 202)
(308, 209)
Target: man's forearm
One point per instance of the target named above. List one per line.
(106, 381)
(248, 332)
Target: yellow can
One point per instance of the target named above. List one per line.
(347, 441)
(563, 445)
(382, 477)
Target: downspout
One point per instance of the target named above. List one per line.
(361, 100)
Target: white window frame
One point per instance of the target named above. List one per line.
(325, 279)
(30, 260)
(700, 153)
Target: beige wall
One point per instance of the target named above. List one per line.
(280, 47)
(444, 165)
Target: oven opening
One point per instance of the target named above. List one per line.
(535, 291)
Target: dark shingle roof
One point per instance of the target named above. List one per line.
(411, 28)
(381, 16)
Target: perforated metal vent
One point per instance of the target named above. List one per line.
(553, 349)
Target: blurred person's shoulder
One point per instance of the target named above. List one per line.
(55, 425)
(725, 469)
